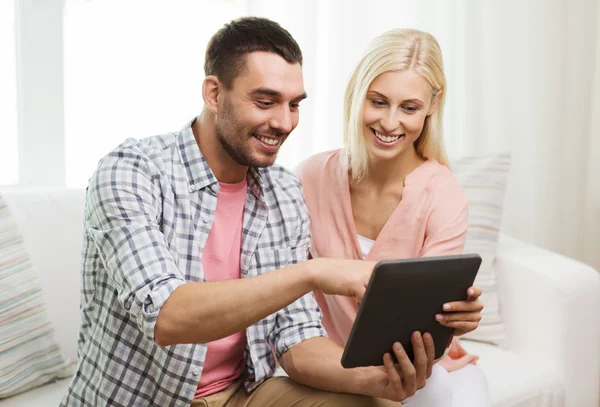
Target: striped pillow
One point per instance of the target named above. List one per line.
(29, 354)
(483, 180)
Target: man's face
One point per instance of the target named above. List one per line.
(260, 110)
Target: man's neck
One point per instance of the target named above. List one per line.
(225, 168)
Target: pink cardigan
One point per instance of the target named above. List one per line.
(430, 220)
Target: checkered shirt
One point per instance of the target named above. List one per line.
(150, 206)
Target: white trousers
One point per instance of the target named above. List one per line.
(465, 387)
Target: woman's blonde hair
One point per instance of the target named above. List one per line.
(395, 50)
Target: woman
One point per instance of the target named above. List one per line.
(390, 194)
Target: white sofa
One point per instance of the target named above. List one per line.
(551, 306)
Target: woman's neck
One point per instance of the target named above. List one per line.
(382, 174)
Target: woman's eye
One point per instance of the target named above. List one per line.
(411, 109)
(377, 102)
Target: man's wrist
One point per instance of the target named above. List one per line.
(312, 272)
(358, 382)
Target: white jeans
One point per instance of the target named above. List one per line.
(466, 387)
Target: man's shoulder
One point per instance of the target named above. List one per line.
(279, 179)
(149, 147)
(148, 152)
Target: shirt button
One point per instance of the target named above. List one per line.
(196, 372)
(205, 218)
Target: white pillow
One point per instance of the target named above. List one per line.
(483, 180)
(29, 354)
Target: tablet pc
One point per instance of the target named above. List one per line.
(403, 296)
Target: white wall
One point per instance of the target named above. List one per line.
(40, 92)
(8, 95)
(541, 97)
(520, 79)
(592, 208)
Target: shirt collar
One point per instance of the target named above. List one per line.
(198, 172)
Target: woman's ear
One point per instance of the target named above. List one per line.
(435, 103)
(211, 88)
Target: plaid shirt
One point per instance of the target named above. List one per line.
(150, 206)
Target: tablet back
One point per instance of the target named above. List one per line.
(403, 296)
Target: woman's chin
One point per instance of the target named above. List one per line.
(378, 154)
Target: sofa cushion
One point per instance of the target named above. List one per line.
(483, 180)
(514, 380)
(51, 222)
(30, 355)
(50, 394)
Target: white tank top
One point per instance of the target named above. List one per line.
(365, 245)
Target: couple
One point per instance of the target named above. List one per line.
(196, 277)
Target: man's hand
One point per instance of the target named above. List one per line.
(342, 277)
(463, 316)
(398, 381)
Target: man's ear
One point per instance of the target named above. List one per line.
(211, 89)
(434, 105)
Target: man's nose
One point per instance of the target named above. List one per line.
(282, 120)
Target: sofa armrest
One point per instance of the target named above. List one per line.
(551, 307)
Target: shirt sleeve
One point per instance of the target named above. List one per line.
(301, 319)
(446, 229)
(123, 209)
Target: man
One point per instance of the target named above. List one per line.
(195, 268)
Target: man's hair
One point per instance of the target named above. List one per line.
(228, 48)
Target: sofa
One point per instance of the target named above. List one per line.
(550, 305)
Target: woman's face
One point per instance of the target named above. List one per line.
(394, 112)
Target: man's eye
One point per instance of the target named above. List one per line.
(264, 104)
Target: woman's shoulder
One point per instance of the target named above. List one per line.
(440, 181)
(319, 165)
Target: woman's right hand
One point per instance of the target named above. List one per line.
(342, 277)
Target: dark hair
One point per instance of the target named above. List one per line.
(227, 49)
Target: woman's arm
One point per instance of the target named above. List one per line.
(446, 233)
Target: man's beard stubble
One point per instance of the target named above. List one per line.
(229, 129)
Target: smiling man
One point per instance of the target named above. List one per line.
(195, 275)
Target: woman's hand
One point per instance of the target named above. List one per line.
(463, 316)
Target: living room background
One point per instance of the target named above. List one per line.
(80, 76)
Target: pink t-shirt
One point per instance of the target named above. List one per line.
(221, 261)
(430, 220)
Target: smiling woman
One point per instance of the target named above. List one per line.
(394, 112)
(389, 194)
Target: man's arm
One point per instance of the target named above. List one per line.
(316, 363)
(203, 312)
